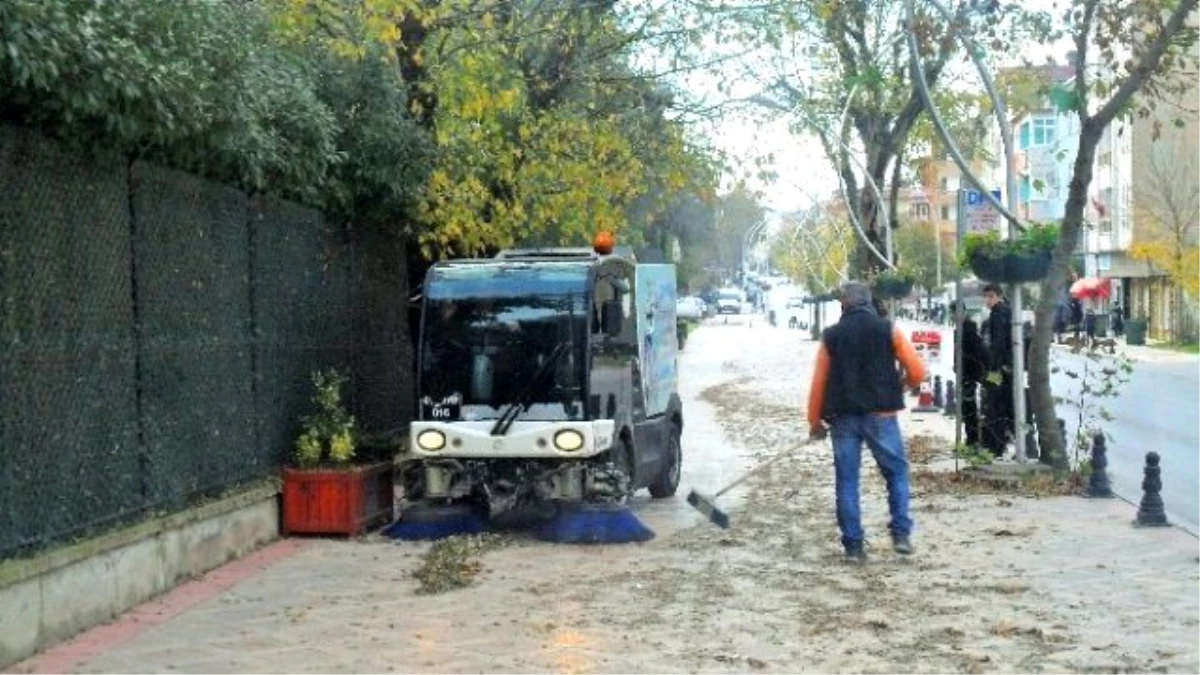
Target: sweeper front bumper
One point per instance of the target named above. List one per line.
(533, 462)
(525, 439)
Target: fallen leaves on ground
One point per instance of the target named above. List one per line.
(969, 482)
(923, 448)
(954, 483)
(454, 562)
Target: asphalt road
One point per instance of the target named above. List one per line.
(1155, 411)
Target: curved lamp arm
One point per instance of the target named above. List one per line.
(842, 186)
(998, 107)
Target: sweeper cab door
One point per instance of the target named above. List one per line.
(658, 345)
(633, 374)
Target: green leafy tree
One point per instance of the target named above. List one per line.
(1126, 52)
(544, 132)
(917, 249)
(857, 66)
(815, 250)
(737, 212)
(216, 88)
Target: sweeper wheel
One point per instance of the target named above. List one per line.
(668, 479)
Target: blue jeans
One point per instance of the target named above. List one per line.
(882, 436)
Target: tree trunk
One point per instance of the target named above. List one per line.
(1177, 329)
(869, 209)
(893, 204)
(1041, 398)
(1177, 332)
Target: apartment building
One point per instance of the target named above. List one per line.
(1046, 142)
(1138, 161)
(1165, 204)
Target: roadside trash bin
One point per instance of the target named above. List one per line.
(1135, 332)
(1101, 325)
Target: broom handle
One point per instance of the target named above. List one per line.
(760, 467)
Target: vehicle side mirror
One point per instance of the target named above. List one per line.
(612, 317)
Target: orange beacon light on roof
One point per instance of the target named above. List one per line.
(604, 242)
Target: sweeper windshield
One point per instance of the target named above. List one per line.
(495, 335)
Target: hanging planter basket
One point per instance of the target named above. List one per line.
(890, 288)
(1011, 268)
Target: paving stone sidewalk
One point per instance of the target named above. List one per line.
(1000, 583)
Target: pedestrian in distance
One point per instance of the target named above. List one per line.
(855, 394)
(974, 368)
(880, 307)
(998, 384)
(1118, 320)
(1062, 312)
(1075, 309)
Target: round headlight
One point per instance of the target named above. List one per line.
(431, 440)
(568, 440)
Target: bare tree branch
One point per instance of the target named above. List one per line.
(1145, 66)
(1083, 38)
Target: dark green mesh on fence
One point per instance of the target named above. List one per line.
(303, 319)
(193, 307)
(158, 335)
(68, 441)
(383, 396)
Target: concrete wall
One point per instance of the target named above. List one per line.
(50, 598)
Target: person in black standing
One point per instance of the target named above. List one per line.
(974, 367)
(998, 384)
(1118, 320)
(880, 306)
(1075, 308)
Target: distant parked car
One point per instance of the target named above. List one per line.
(795, 301)
(729, 300)
(690, 307)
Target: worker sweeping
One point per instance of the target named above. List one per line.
(857, 390)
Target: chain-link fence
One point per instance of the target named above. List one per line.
(158, 333)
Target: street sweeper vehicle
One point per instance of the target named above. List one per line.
(545, 376)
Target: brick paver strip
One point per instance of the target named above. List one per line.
(62, 658)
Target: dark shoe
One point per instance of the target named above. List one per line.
(855, 553)
(902, 545)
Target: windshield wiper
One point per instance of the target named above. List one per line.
(513, 410)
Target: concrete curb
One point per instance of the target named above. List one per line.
(60, 593)
(64, 657)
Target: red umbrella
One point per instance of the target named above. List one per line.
(1091, 288)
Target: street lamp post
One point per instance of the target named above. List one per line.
(746, 238)
(1014, 226)
(937, 246)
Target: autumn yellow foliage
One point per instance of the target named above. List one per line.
(1181, 263)
(815, 252)
(511, 169)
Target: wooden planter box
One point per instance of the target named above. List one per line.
(1011, 268)
(337, 501)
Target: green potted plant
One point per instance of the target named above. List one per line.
(892, 284)
(326, 492)
(1019, 259)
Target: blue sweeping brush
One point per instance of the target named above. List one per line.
(595, 523)
(435, 521)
